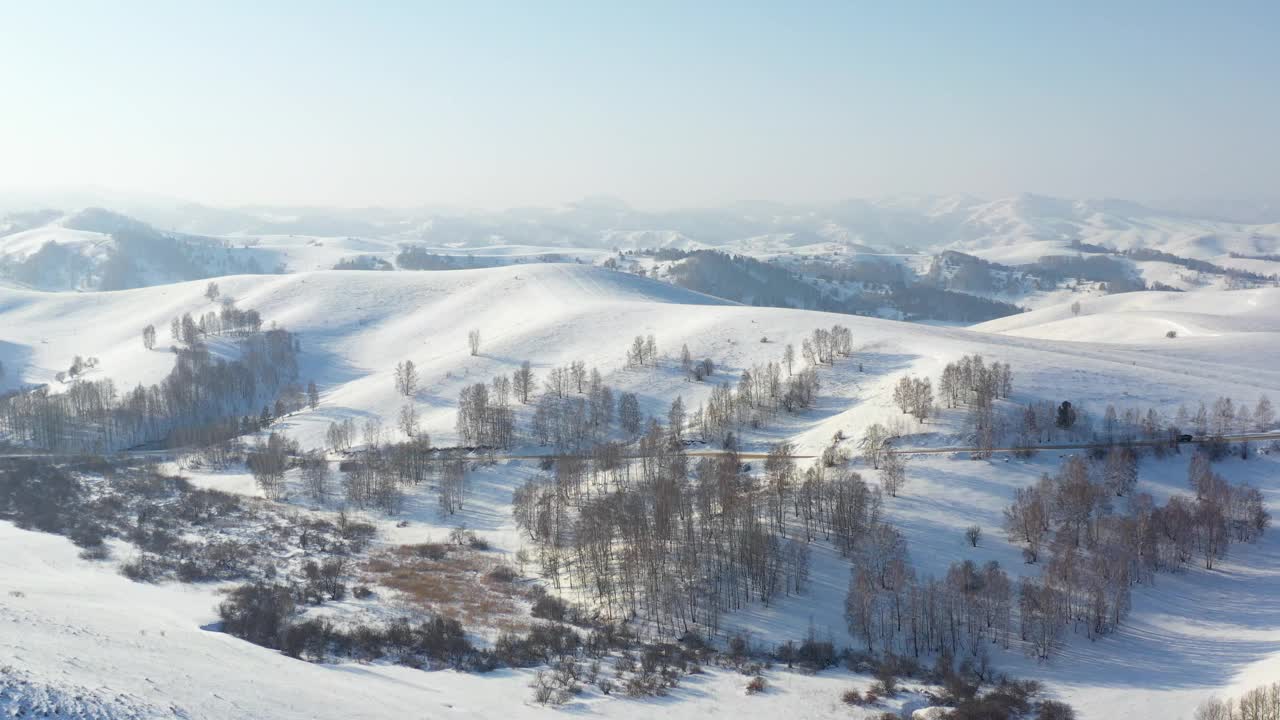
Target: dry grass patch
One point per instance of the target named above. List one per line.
(452, 580)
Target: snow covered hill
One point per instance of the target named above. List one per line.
(1147, 318)
(907, 253)
(140, 650)
(96, 249)
(356, 326)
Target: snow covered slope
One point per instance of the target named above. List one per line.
(80, 642)
(144, 645)
(96, 249)
(356, 326)
(1146, 317)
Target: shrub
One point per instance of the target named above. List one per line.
(886, 679)
(1054, 710)
(884, 689)
(144, 568)
(502, 573)
(544, 690)
(851, 697)
(362, 592)
(87, 533)
(430, 551)
(549, 607)
(814, 654)
(258, 613)
(98, 552)
(972, 534)
(757, 685)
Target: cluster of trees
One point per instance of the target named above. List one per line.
(572, 416)
(377, 475)
(485, 416)
(195, 400)
(647, 536)
(760, 394)
(1260, 703)
(79, 365)
(894, 612)
(914, 396)
(363, 262)
(190, 331)
(1202, 266)
(1225, 417)
(824, 346)
(1097, 549)
(268, 459)
(341, 434)
(971, 382)
(1043, 421)
(698, 370)
(863, 286)
(643, 351)
(413, 257)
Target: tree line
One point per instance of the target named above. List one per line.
(1102, 538)
(196, 401)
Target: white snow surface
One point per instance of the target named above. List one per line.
(77, 628)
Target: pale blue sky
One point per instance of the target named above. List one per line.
(662, 104)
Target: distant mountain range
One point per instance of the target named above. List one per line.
(148, 241)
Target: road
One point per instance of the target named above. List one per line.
(1075, 446)
(717, 453)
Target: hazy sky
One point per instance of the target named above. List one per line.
(663, 104)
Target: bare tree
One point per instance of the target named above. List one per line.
(636, 354)
(268, 461)
(315, 476)
(629, 416)
(789, 357)
(675, 417)
(453, 478)
(408, 420)
(313, 395)
(406, 378)
(972, 534)
(372, 431)
(211, 291)
(1120, 470)
(1264, 416)
(473, 341)
(874, 442)
(1027, 520)
(522, 381)
(558, 382)
(578, 374)
(149, 337)
(893, 473)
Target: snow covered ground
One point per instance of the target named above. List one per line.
(77, 640)
(79, 630)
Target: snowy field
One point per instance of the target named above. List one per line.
(78, 630)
